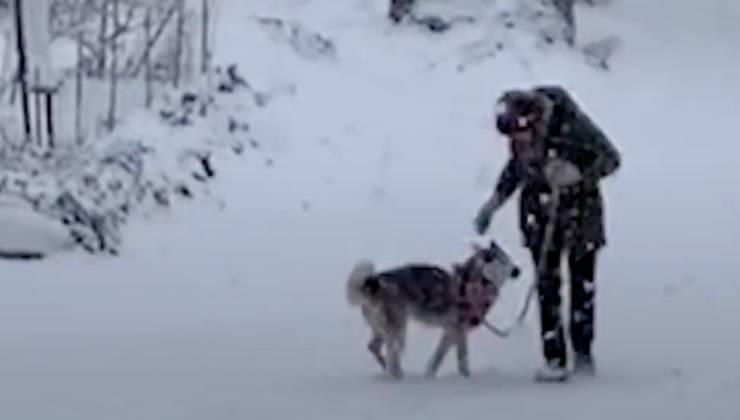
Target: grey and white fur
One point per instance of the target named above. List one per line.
(455, 301)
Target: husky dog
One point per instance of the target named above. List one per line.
(455, 301)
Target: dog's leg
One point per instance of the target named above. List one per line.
(395, 345)
(394, 359)
(375, 346)
(445, 342)
(376, 320)
(462, 353)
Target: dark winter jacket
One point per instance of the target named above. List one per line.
(573, 137)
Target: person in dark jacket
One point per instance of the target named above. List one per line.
(558, 158)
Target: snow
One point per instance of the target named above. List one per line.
(236, 309)
(25, 231)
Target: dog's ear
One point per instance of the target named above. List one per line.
(457, 269)
(489, 256)
(476, 247)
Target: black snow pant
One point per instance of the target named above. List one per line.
(582, 293)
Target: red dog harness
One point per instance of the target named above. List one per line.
(473, 302)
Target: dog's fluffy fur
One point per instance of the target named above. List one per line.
(430, 295)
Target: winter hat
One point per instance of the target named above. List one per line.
(522, 109)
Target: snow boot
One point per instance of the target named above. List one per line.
(551, 372)
(584, 365)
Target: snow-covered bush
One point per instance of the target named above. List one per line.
(149, 161)
(305, 42)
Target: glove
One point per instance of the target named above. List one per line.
(483, 219)
(561, 173)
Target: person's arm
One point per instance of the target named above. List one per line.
(508, 182)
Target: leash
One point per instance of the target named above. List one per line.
(541, 266)
(495, 330)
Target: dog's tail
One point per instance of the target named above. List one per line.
(356, 287)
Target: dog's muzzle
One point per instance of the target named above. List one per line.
(515, 272)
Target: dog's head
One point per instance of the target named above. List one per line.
(493, 264)
(481, 277)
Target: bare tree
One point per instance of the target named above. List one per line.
(111, 122)
(124, 40)
(177, 61)
(102, 39)
(205, 62)
(78, 93)
(93, 19)
(37, 104)
(153, 39)
(22, 69)
(148, 59)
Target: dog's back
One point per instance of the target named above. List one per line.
(425, 288)
(422, 291)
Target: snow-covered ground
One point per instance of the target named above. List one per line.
(236, 310)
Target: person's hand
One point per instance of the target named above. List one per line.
(561, 173)
(483, 218)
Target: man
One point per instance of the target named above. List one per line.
(558, 158)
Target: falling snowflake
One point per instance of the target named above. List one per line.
(589, 286)
(578, 316)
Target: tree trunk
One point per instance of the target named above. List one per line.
(50, 119)
(101, 39)
(37, 105)
(148, 58)
(78, 92)
(155, 38)
(22, 69)
(113, 73)
(178, 43)
(205, 53)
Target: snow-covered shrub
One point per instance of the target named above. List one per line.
(539, 17)
(152, 159)
(305, 42)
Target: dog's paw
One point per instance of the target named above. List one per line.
(395, 371)
(379, 359)
(464, 371)
(396, 375)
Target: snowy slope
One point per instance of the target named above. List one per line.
(237, 311)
